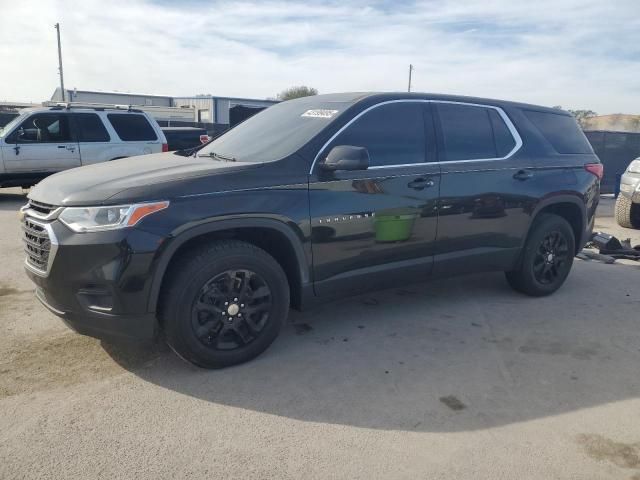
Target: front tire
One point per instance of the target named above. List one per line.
(627, 212)
(546, 259)
(225, 304)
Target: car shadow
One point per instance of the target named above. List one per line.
(12, 200)
(462, 354)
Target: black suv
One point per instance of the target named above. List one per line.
(312, 198)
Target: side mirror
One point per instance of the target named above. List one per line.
(346, 157)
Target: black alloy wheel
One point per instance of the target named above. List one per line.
(231, 309)
(551, 258)
(547, 257)
(225, 303)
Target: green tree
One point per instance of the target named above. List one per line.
(297, 92)
(583, 116)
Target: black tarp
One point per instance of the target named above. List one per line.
(240, 113)
(615, 150)
(6, 117)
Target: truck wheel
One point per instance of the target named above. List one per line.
(546, 259)
(627, 212)
(225, 304)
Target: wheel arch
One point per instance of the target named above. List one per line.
(569, 207)
(277, 238)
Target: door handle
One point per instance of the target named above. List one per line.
(523, 175)
(421, 183)
(62, 146)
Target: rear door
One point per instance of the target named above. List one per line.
(93, 138)
(43, 143)
(487, 192)
(377, 227)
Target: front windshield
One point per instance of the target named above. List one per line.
(9, 126)
(275, 132)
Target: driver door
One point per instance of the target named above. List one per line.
(377, 227)
(42, 143)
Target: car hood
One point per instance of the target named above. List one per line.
(147, 175)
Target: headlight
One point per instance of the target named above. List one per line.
(96, 219)
(634, 167)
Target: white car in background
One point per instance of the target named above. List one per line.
(42, 141)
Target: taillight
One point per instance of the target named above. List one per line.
(596, 168)
(165, 147)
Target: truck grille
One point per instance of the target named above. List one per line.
(41, 208)
(37, 244)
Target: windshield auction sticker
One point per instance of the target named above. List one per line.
(319, 113)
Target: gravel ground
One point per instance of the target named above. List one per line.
(455, 379)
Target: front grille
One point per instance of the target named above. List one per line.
(43, 208)
(37, 244)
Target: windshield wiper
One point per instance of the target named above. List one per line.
(224, 158)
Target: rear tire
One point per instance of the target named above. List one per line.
(627, 212)
(546, 259)
(225, 304)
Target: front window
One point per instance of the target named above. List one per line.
(393, 134)
(276, 132)
(42, 128)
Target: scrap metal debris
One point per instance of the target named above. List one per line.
(610, 248)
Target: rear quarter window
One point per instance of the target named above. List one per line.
(131, 127)
(561, 131)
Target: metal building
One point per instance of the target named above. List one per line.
(117, 98)
(216, 114)
(222, 111)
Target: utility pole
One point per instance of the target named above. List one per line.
(57, 26)
(410, 70)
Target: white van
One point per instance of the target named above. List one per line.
(46, 140)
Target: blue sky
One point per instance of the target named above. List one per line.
(575, 53)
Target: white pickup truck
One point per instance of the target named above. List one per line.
(46, 140)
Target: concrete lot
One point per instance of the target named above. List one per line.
(456, 379)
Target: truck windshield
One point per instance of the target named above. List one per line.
(9, 126)
(275, 132)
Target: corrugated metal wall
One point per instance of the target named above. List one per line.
(615, 150)
(203, 106)
(112, 98)
(218, 107)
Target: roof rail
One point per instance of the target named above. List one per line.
(93, 106)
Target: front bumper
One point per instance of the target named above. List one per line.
(99, 283)
(104, 325)
(630, 186)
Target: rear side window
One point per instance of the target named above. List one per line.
(131, 127)
(472, 133)
(394, 134)
(561, 131)
(90, 128)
